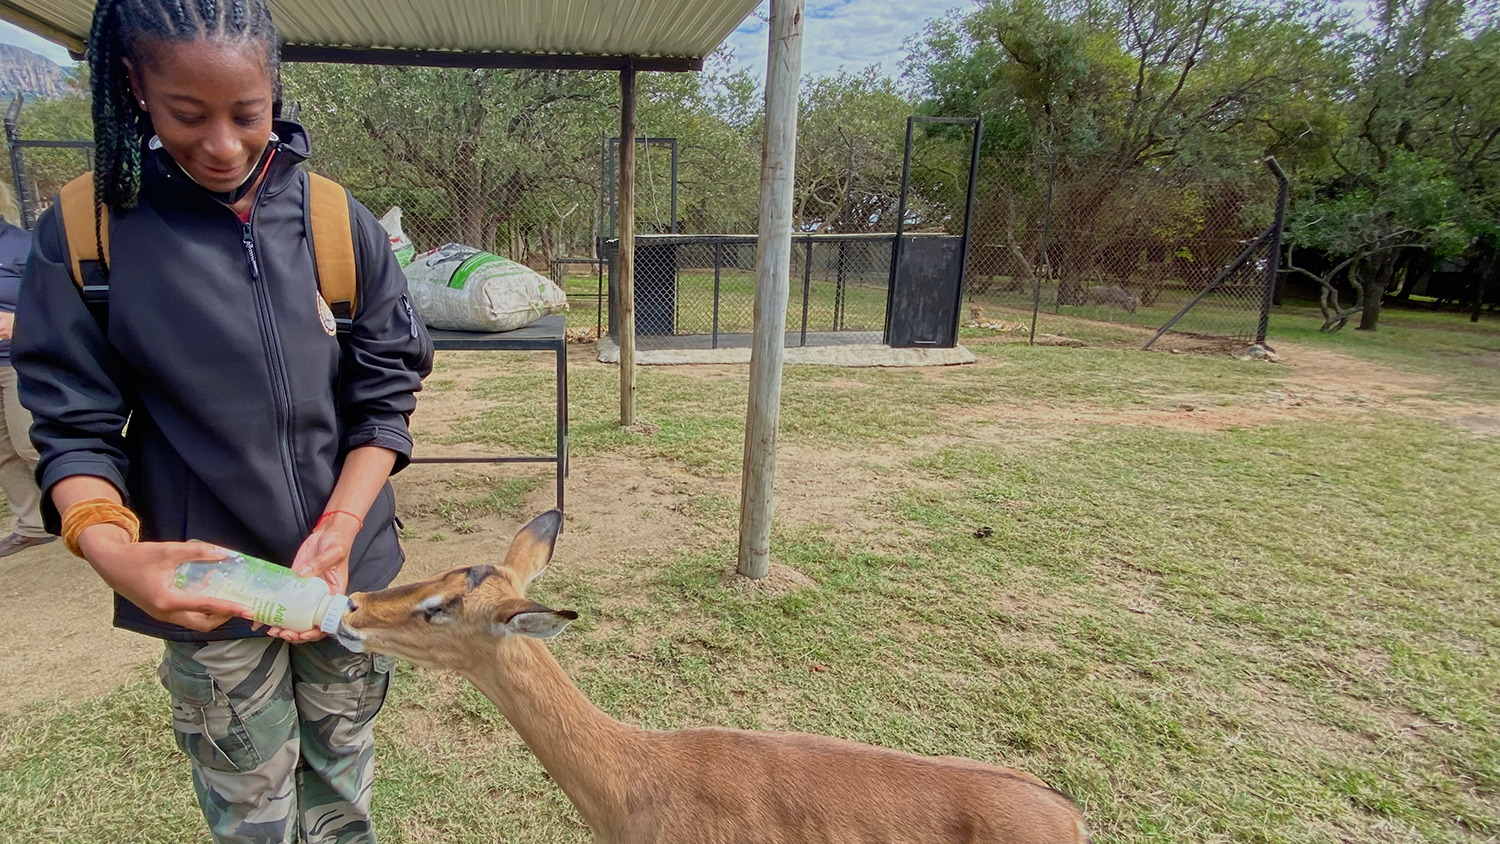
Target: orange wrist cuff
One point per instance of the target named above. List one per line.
(96, 511)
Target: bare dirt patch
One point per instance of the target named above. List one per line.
(55, 616)
(1480, 423)
(780, 580)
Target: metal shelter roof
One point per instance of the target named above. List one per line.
(564, 34)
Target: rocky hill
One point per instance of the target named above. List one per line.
(31, 74)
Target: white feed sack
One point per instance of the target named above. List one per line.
(400, 243)
(460, 288)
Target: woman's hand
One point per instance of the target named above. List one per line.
(324, 554)
(142, 572)
(7, 325)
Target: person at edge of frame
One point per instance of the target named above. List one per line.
(17, 456)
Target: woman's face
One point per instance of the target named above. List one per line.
(210, 103)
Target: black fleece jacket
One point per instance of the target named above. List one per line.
(218, 402)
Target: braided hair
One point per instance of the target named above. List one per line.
(127, 30)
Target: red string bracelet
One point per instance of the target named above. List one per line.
(325, 516)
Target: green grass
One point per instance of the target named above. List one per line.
(1275, 634)
(469, 499)
(1443, 344)
(698, 420)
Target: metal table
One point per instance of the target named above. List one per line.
(546, 334)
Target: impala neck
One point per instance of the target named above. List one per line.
(584, 750)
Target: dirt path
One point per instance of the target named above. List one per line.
(55, 613)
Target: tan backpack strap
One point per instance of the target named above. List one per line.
(79, 211)
(333, 244)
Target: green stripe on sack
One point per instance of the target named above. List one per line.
(461, 275)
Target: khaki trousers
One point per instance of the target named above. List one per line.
(18, 459)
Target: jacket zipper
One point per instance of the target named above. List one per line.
(249, 243)
(411, 317)
(277, 364)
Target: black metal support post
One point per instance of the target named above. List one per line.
(1273, 266)
(890, 293)
(718, 267)
(17, 163)
(1043, 267)
(1234, 266)
(548, 334)
(840, 267)
(807, 247)
(963, 259)
(672, 228)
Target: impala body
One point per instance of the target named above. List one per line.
(695, 786)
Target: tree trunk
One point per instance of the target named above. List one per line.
(1489, 278)
(1375, 288)
(1418, 270)
(468, 218)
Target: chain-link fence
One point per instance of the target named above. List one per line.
(698, 291)
(45, 164)
(1060, 240)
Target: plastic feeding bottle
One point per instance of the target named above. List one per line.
(272, 593)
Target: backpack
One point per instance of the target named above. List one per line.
(329, 228)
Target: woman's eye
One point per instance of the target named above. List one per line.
(248, 122)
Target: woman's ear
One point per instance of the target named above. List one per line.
(137, 87)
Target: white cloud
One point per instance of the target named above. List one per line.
(848, 34)
(12, 34)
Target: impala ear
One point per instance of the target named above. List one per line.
(531, 550)
(520, 617)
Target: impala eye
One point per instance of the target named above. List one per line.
(438, 609)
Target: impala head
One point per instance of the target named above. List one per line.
(464, 612)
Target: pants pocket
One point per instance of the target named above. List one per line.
(377, 686)
(205, 722)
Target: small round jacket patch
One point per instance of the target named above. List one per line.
(326, 315)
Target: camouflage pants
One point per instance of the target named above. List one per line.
(279, 736)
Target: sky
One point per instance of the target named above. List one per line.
(12, 34)
(848, 34)
(852, 34)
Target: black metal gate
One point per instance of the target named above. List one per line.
(927, 271)
(924, 298)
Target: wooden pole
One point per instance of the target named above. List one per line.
(627, 247)
(773, 258)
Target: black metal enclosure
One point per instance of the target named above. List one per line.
(697, 291)
(900, 288)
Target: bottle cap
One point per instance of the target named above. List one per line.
(338, 607)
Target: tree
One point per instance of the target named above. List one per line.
(849, 149)
(1416, 170)
(468, 152)
(715, 117)
(1135, 96)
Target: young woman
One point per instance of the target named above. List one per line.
(250, 425)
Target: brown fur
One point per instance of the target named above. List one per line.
(709, 785)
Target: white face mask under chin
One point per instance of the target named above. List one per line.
(155, 143)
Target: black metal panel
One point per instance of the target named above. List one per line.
(925, 294)
(655, 288)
